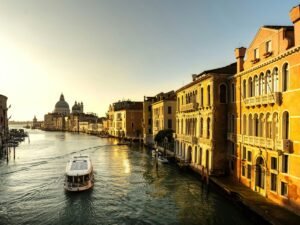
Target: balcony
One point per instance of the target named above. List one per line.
(263, 142)
(189, 107)
(187, 138)
(284, 145)
(271, 98)
(205, 141)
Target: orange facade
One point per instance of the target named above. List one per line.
(264, 121)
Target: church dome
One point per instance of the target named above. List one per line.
(62, 106)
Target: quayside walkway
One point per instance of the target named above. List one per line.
(255, 204)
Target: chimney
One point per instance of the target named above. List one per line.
(194, 76)
(295, 18)
(239, 55)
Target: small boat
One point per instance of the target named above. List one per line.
(162, 159)
(79, 174)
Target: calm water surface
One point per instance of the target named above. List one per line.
(128, 189)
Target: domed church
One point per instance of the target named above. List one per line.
(62, 106)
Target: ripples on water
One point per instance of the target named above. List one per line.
(128, 189)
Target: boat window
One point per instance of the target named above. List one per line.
(86, 177)
(70, 179)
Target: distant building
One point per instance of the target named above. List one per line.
(62, 107)
(158, 114)
(3, 119)
(36, 124)
(125, 119)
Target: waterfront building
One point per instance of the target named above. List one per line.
(36, 124)
(3, 119)
(125, 119)
(77, 107)
(147, 121)
(201, 121)
(264, 117)
(158, 114)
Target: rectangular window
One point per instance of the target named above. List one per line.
(249, 171)
(149, 108)
(249, 156)
(169, 124)
(244, 153)
(150, 121)
(273, 163)
(150, 131)
(273, 182)
(285, 163)
(284, 189)
(169, 109)
(232, 165)
(256, 53)
(268, 46)
(243, 170)
(232, 149)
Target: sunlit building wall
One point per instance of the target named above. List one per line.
(201, 121)
(264, 115)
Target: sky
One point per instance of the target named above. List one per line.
(103, 51)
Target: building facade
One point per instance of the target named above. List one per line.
(125, 119)
(201, 121)
(263, 117)
(158, 114)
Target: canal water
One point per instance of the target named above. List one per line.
(128, 188)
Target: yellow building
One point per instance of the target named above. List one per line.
(201, 121)
(158, 114)
(125, 119)
(264, 116)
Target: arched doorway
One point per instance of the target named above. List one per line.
(260, 175)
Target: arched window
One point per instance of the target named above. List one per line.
(178, 104)
(275, 80)
(261, 125)
(250, 125)
(269, 131)
(208, 128)
(256, 86)
(285, 77)
(269, 85)
(275, 126)
(201, 97)
(244, 124)
(208, 95)
(285, 125)
(262, 84)
(223, 93)
(195, 155)
(201, 127)
(244, 89)
(250, 88)
(200, 157)
(256, 125)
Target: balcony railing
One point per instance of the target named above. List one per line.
(187, 138)
(189, 107)
(263, 142)
(231, 137)
(271, 98)
(205, 141)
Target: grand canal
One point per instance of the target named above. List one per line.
(128, 188)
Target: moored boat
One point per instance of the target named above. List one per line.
(79, 174)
